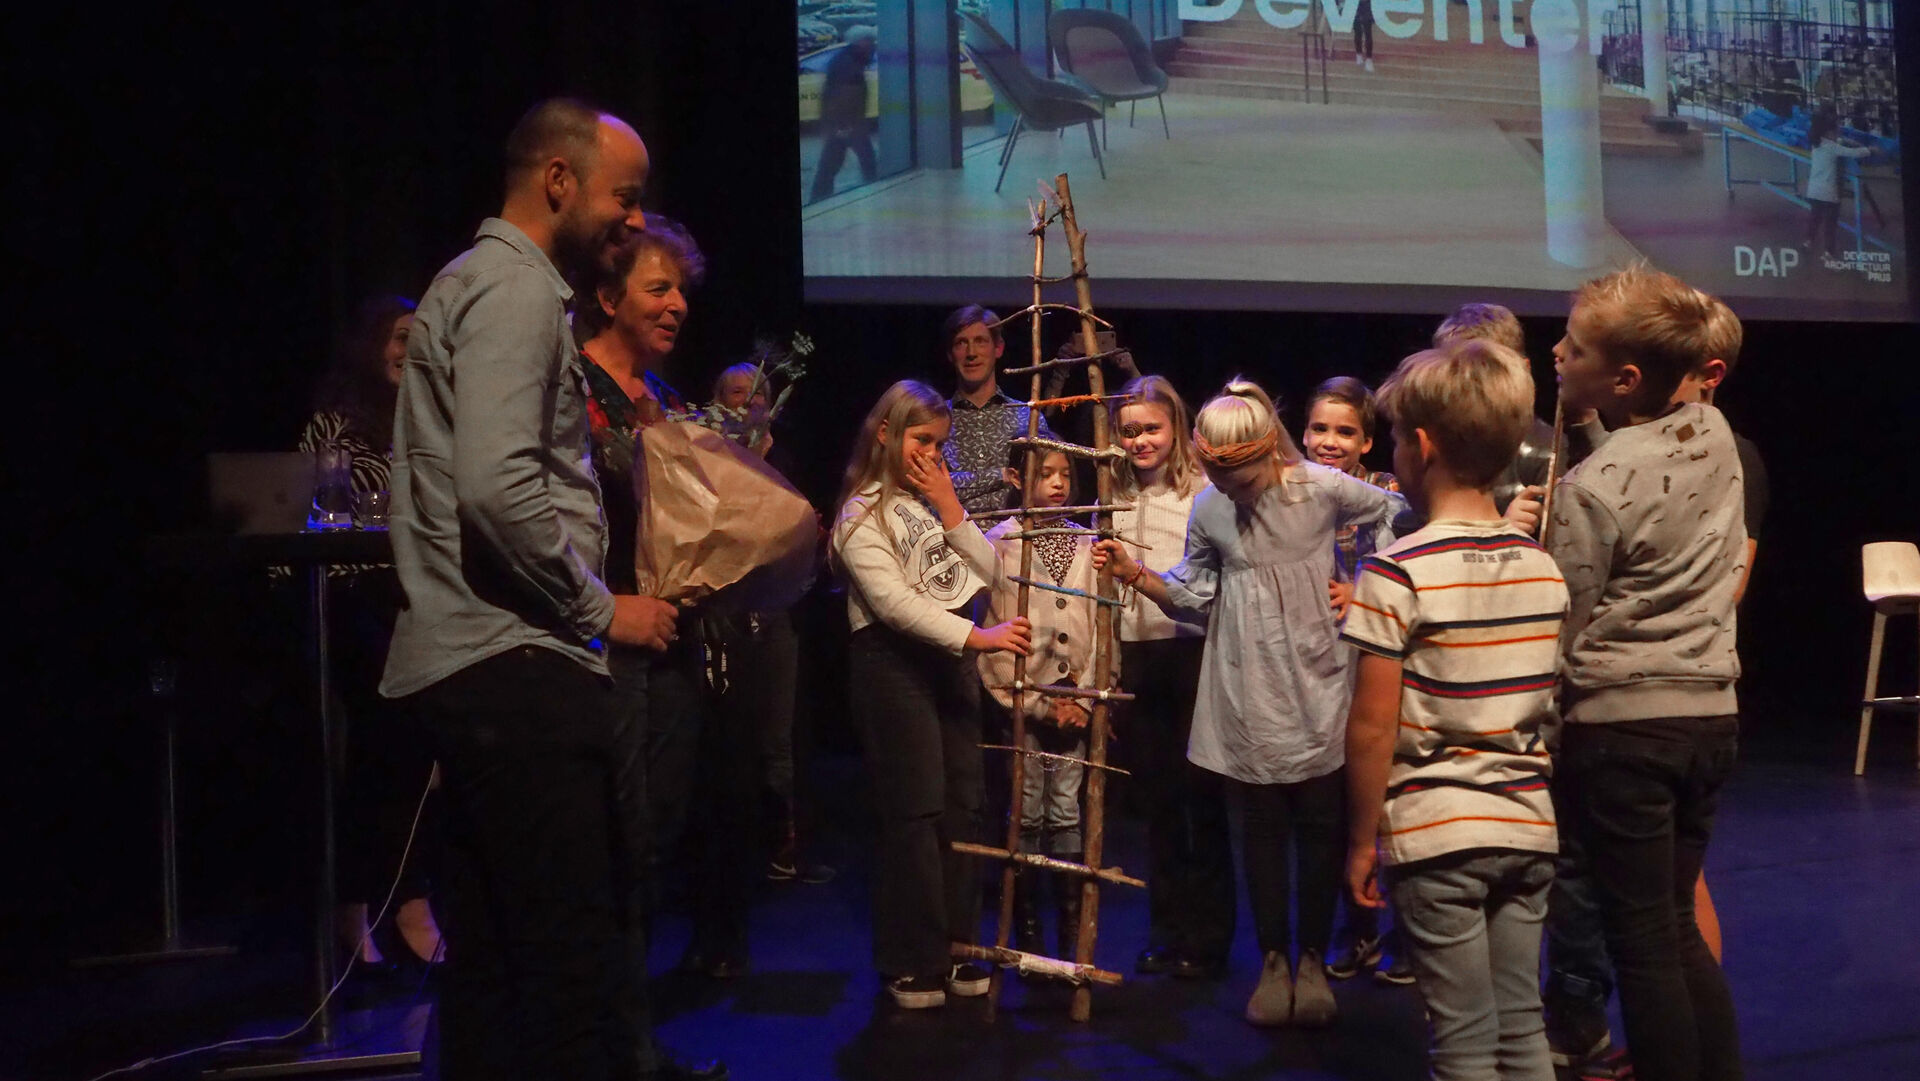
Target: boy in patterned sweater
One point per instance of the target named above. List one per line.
(1457, 625)
(1650, 532)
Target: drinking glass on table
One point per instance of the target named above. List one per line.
(332, 488)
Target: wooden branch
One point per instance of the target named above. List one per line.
(1046, 512)
(1104, 874)
(1050, 754)
(1055, 691)
(1073, 449)
(1062, 362)
(1022, 534)
(1553, 466)
(1076, 399)
(1033, 964)
(1066, 591)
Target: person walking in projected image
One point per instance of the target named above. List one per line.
(499, 541)
(843, 113)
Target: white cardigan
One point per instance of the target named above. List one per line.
(913, 580)
(1063, 633)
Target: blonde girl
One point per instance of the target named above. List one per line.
(1190, 859)
(1271, 708)
(912, 563)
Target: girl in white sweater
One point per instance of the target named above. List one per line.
(1190, 859)
(912, 563)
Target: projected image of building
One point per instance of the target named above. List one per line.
(1334, 153)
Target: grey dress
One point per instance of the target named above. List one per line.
(1272, 704)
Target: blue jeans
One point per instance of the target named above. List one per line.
(1471, 924)
(1641, 796)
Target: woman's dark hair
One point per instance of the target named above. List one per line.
(663, 235)
(355, 384)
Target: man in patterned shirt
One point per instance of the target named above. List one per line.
(985, 421)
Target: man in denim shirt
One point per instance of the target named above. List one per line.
(499, 543)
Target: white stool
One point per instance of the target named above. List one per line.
(1890, 577)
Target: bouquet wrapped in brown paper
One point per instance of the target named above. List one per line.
(719, 527)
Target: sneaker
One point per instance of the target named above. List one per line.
(917, 992)
(1272, 1001)
(1369, 65)
(1612, 1064)
(1576, 1036)
(1358, 60)
(780, 869)
(969, 980)
(1313, 1005)
(1394, 969)
(1354, 957)
(668, 1067)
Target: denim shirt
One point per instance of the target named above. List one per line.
(497, 533)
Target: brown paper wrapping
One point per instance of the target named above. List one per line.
(718, 526)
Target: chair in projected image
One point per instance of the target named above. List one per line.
(1890, 578)
(1038, 104)
(1107, 54)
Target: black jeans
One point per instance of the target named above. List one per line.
(1310, 817)
(1641, 797)
(541, 980)
(833, 152)
(699, 798)
(917, 709)
(1190, 854)
(1579, 972)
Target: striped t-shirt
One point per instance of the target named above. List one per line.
(1472, 610)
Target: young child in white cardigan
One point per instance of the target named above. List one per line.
(1063, 654)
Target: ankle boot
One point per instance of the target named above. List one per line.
(1066, 894)
(1027, 934)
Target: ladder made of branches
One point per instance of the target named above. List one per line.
(1056, 204)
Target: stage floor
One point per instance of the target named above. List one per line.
(1814, 871)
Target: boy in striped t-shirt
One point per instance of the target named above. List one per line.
(1458, 627)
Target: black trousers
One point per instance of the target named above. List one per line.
(698, 798)
(1190, 852)
(1641, 796)
(917, 709)
(1310, 818)
(541, 976)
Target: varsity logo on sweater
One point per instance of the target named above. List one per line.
(935, 566)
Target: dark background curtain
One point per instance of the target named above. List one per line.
(201, 197)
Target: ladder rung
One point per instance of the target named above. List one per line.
(1036, 965)
(1031, 859)
(1899, 701)
(1072, 531)
(1073, 449)
(1047, 512)
(1076, 399)
(1069, 591)
(1055, 691)
(1050, 754)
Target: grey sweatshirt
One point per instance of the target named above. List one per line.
(1650, 535)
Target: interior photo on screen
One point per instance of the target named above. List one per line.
(1365, 154)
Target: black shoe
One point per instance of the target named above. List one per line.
(1353, 957)
(1155, 960)
(669, 1068)
(1066, 896)
(1199, 968)
(713, 964)
(1576, 1030)
(1394, 968)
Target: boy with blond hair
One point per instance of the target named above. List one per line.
(1649, 531)
(1457, 626)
